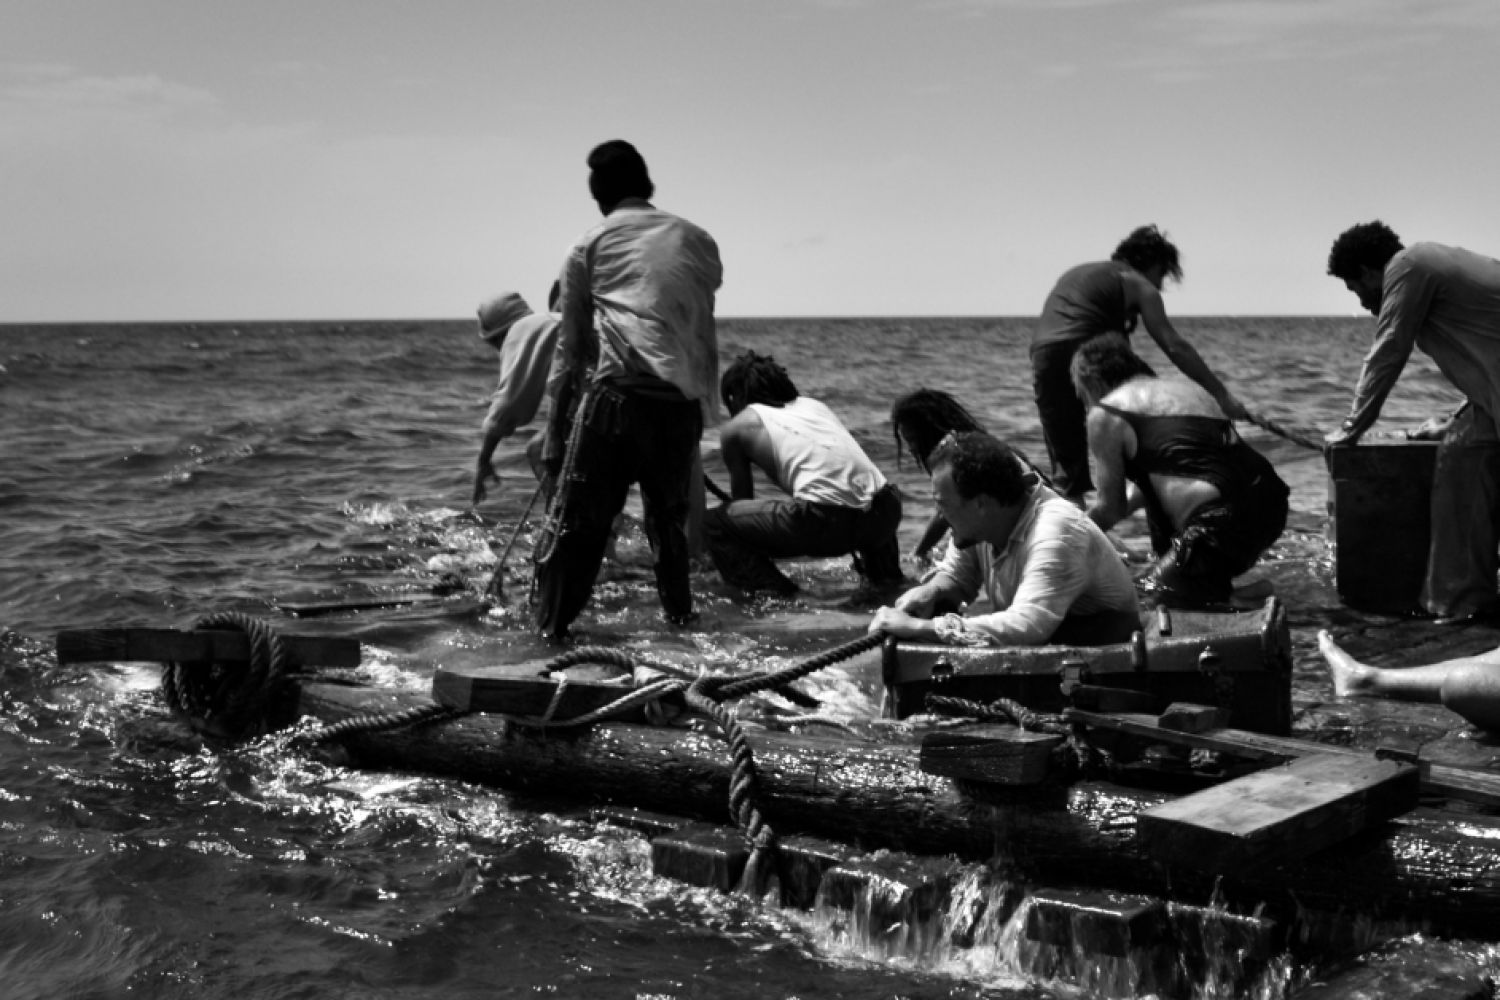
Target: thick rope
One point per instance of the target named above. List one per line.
(1265, 423)
(224, 700)
(496, 587)
(1000, 708)
(377, 722)
(744, 785)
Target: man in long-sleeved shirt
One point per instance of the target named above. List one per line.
(1050, 573)
(639, 351)
(527, 343)
(1446, 301)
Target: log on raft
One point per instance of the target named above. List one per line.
(1428, 868)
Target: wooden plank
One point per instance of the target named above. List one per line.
(1281, 814)
(525, 689)
(1466, 784)
(1000, 754)
(309, 609)
(166, 645)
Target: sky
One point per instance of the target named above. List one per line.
(168, 160)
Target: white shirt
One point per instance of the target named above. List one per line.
(1057, 562)
(817, 459)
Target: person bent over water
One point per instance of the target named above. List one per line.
(1445, 301)
(1213, 503)
(1468, 685)
(837, 501)
(638, 342)
(1049, 572)
(1088, 301)
(529, 374)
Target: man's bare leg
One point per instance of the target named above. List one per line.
(1468, 685)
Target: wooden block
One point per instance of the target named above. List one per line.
(800, 864)
(1100, 698)
(1097, 923)
(650, 824)
(1001, 754)
(1183, 717)
(1280, 814)
(526, 689)
(167, 645)
(701, 854)
(891, 891)
(1204, 935)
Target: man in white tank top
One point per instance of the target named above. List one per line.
(836, 501)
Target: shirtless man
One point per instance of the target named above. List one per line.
(837, 502)
(1213, 503)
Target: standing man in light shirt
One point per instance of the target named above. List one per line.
(1446, 301)
(1050, 573)
(639, 351)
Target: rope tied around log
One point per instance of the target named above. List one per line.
(1086, 757)
(228, 701)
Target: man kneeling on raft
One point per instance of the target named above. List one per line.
(1213, 503)
(837, 501)
(1050, 573)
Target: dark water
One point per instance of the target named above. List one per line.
(151, 474)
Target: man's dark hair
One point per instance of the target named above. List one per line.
(1146, 247)
(926, 416)
(616, 172)
(983, 464)
(1369, 244)
(1104, 363)
(755, 378)
(553, 294)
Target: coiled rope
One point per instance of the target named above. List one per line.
(228, 701)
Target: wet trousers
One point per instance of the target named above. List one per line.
(1219, 541)
(744, 536)
(619, 439)
(1063, 417)
(1463, 554)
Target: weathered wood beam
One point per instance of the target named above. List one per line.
(166, 645)
(1451, 781)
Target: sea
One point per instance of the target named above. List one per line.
(153, 473)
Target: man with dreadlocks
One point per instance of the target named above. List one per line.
(837, 502)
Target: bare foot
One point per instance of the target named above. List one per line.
(1349, 675)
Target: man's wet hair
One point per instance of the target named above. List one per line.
(928, 416)
(984, 464)
(755, 378)
(616, 172)
(1146, 247)
(1104, 363)
(1369, 244)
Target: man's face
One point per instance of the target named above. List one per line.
(963, 516)
(1368, 288)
